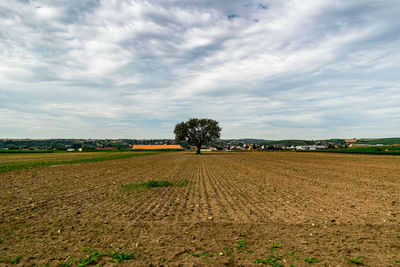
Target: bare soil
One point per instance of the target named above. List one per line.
(324, 206)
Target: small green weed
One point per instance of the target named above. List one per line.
(311, 260)
(1, 240)
(241, 244)
(355, 260)
(260, 261)
(270, 260)
(227, 251)
(276, 245)
(276, 257)
(119, 256)
(90, 259)
(292, 253)
(205, 254)
(66, 264)
(397, 261)
(15, 260)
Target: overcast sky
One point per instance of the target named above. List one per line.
(271, 69)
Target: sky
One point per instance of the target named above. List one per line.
(269, 69)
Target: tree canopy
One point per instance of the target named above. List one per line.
(197, 132)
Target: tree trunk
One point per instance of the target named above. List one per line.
(198, 150)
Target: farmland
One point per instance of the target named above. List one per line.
(22, 160)
(217, 208)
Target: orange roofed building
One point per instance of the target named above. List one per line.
(156, 147)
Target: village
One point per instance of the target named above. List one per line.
(74, 145)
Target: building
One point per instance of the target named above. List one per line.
(156, 147)
(351, 141)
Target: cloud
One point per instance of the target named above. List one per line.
(266, 69)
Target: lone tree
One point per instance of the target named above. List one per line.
(197, 132)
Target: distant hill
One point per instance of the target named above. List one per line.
(383, 141)
(246, 141)
(292, 142)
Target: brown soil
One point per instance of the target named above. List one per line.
(325, 206)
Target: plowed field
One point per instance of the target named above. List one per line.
(222, 209)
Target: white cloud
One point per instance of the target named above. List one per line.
(267, 69)
(47, 13)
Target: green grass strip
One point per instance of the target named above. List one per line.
(355, 151)
(3, 151)
(21, 165)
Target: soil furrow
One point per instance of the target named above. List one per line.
(142, 210)
(214, 203)
(249, 207)
(198, 200)
(52, 200)
(189, 208)
(328, 207)
(228, 199)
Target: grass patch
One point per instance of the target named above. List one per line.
(154, 183)
(96, 156)
(136, 188)
(148, 184)
(14, 151)
(374, 150)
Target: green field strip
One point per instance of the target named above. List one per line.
(355, 151)
(21, 165)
